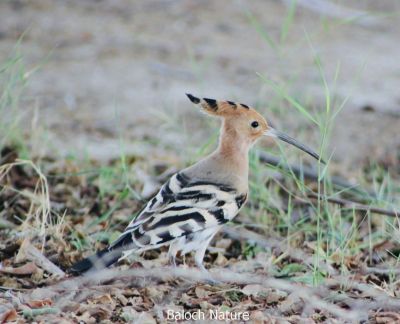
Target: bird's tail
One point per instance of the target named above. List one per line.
(105, 258)
(98, 261)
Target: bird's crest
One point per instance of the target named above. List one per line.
(217, 107)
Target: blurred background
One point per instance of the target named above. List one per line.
(86, 74)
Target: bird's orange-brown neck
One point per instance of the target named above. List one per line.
(234, 149)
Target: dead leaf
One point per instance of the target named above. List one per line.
(121, 298)
(255, 290)
(104, 299)
(293, 304)
(155, 293)
(221, 260)
(387, 317)
(201, 292)
(25, 270)
(224, 243)
(10, 281)
(294, 319)
(39, 303)
(43, 293)
(71, 307)
(86, 318)
(145, 318)
(258, 317)
(100, 312)
(136, 300)
(9, 316)
(38, 275)
(275, 296)
(132, 316)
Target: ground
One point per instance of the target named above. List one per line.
(93, 93)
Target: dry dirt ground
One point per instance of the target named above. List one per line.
(139, 58)
(112, 79)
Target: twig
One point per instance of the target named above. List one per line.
(348, 204)
(270, 243)
(28, 251)
(240, 233)
(307, 294)
(381, 299)
(311, 174)
(380, 271)
(321, 298)
(6, 288)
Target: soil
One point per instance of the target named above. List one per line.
(136, 60)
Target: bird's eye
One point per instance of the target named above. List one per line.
(254, 124)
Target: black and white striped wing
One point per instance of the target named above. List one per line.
(181, 207)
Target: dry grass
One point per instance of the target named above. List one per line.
(262, 267)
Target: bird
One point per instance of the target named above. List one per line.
(193, 205)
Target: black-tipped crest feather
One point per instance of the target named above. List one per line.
(212, 103)
(232, 104)
(193, 99)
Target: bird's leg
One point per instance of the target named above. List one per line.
(198, 258)
(172, 255)
(172, 260)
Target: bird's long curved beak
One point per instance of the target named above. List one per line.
(271, 132)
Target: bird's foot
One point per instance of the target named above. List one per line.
(208, 277)
(172, 261)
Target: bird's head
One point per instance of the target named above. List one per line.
(246, 121)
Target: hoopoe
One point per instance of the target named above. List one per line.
(196, 202)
